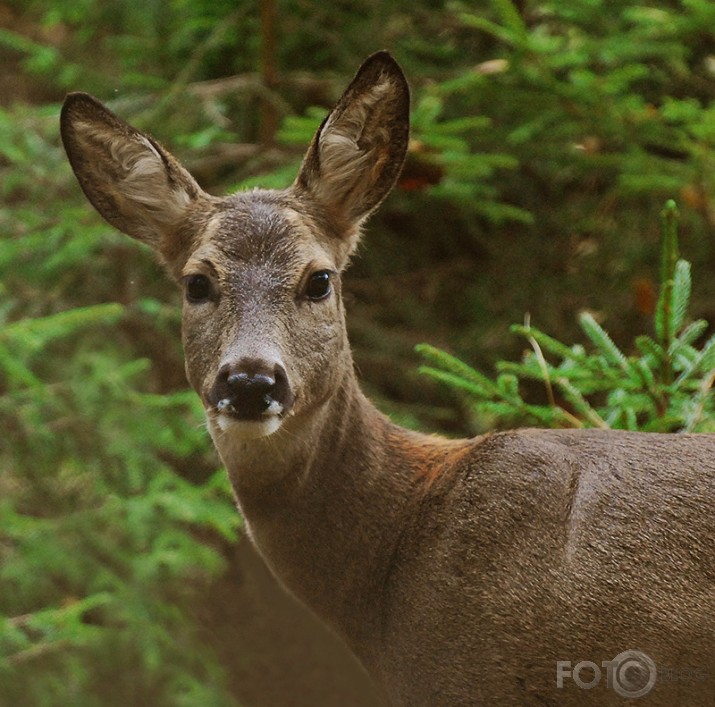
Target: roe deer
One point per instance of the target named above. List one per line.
(517, 568)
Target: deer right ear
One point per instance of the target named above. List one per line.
(129, 178)
(357, 154)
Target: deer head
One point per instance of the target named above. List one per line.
(263, 323)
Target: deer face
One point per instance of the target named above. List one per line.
(263, 324)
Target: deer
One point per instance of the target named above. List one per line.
(520, 567)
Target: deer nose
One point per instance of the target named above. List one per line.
(251, 389)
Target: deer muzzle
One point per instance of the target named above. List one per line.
(251, 391)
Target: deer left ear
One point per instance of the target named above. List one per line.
(134, 183)
(358, 151)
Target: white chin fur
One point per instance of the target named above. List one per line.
(248, 429)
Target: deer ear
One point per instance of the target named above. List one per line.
(358, 151)
(129, 178)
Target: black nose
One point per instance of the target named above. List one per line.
(250, 389)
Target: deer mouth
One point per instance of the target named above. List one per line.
(266, 407)
(249, 418)
(230, 419)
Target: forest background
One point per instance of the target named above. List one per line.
(546, 138)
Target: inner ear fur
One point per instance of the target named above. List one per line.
(132, 181)
(357, 153)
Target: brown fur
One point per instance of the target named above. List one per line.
(459, 572)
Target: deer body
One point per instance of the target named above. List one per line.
(459, 572)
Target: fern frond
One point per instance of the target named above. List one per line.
(441, 359)
(681, 295)
(602, 341)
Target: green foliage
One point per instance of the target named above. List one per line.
(613, 88)
(105, 545)
(467, 173)
(666, 387)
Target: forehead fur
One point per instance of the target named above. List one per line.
(264, 227)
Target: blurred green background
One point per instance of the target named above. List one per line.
(546, 137)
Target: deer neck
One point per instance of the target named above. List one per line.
(325, 500)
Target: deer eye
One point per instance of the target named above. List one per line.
(318, 286)
(198, 288)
